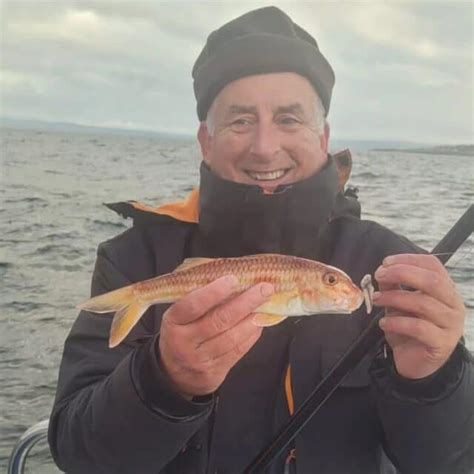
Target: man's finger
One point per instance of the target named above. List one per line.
(419, 304)
(230, 358)
(231, 312)
(415, 328)
(198, 302)
(386, 285)
(229, 340)
(429, 262)
(436, 284)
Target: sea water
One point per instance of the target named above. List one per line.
(52, 189)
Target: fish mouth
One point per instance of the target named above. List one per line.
(351, 304)
(357, 301)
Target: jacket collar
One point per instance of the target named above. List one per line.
(238, 219)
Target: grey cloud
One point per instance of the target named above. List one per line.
(109, 62)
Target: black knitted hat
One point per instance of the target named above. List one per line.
(260, 42)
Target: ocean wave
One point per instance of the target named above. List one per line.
(65, 251)
(50, 248)
(26, 306)
(64, 195)
(15, 241)
(59, 236)
(45, 319)
(4, 267)
(67, 268)
(29, 199)
(97, 142)
(187, 189)
(54, 172)
(29, 229)
(364, 174)
(99, 223)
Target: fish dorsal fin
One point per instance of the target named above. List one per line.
(192, 262)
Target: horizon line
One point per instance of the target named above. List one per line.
(191, 135)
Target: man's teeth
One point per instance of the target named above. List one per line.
(267, 175)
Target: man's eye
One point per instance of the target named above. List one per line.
(241, 124)
(287, 120)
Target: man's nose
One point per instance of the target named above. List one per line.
(265, 141)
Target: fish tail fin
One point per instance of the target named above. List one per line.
(128, 311)
(124, 320)
(108, 302)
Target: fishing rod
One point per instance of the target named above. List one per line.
(368, 339)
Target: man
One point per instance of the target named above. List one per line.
(196, 387)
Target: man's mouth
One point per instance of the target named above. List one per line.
(267, 175)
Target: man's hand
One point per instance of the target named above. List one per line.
(207, 332)
(423, 326)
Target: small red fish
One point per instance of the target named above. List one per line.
(302, 287)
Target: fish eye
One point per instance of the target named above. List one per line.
(330, 278)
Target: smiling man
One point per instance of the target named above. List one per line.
(266, 130)
(198, 388)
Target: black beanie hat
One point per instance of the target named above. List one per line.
(260, 42)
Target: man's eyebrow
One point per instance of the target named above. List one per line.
(241, 109)
(295, 108)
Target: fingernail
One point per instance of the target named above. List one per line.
(376, 296)
(382, 323)
(380, 273)
(388, 260)
(266, 289)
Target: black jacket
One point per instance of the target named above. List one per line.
(115, 411)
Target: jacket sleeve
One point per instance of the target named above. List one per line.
(428, 424)
(103, 419)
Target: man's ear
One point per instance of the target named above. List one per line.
(324, 138)
(204, 139)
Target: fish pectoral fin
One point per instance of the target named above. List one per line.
(124, 321)
(265, 320)
(192, 262)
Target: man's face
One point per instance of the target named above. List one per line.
(263, 130)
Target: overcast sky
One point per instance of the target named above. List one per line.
(404, 69)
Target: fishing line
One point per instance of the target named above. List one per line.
(462, 257)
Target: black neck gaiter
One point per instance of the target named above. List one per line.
(239, 219)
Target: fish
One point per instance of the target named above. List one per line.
(301, 287)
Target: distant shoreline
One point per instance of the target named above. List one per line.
(453, 150)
